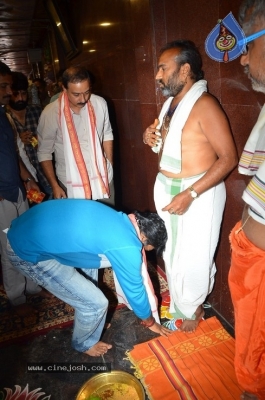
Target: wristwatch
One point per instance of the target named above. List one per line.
(193, 193)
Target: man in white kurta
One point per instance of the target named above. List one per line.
(89, 119)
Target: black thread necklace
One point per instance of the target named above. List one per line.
(170, 111)
(167, 119)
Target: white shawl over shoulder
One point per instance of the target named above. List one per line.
(171, 156)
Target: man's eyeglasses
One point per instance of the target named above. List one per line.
(19, 92)
(249, 39)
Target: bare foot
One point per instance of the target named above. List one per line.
(190, 325)
(248, 396)
(98, 349)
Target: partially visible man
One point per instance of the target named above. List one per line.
(59, 86)
(13, 200)
(76, 128)
(25, 118)
(247, 272)
(196, 151)
(79, 234)
(43, 94)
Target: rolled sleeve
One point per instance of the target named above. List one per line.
(47, 131)
(102, 116)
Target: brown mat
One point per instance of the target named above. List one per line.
(54, 313)
(194, 366)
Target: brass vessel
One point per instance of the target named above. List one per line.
(106, 378)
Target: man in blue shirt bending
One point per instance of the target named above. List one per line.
(46, 241)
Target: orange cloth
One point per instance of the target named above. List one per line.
(76, 148)
(247, 286)
(75, 164)
(188, 366)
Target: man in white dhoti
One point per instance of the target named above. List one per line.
(195, 151)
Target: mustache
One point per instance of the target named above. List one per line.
(160, 86)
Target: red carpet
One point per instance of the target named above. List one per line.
(53, 313)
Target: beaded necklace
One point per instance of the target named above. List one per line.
(165, 128)
(167, 119)
(166, 122)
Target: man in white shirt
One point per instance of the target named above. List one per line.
(76, 130)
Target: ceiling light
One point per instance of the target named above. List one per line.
(92, 51)
(105, 24)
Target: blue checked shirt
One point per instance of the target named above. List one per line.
(33, 113)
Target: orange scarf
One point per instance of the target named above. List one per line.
(77, 153)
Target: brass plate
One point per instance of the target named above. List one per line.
(106, 378)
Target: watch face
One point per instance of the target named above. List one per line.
(193, 194)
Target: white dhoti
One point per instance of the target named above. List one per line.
(192, 241)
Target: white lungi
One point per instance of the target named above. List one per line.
(192, 241)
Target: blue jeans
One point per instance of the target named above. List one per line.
(73, 288)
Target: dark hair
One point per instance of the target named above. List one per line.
(257, 13)
(188, 54)
(153, 227)
(41, 81)
(75, 75)
(20, 81)
(59, 74)
(4, 69)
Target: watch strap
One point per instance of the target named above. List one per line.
(193, 192)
